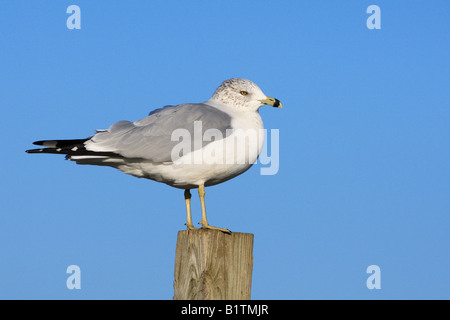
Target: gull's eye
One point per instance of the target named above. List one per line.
(244, 93)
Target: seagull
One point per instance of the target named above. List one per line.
(186, 146)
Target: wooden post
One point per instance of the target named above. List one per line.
(212, 265)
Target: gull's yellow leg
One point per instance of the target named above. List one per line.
(187, 198)
(204, 222)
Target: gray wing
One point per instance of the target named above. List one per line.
(151, 138)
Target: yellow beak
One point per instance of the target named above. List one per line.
(272, 102)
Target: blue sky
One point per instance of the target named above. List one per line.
(364, 136)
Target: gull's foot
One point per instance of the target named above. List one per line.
(207, 226)
(190, 226)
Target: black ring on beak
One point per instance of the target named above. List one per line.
(276, 104)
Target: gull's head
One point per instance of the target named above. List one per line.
(243, 94)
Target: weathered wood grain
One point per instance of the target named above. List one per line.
(212, 265)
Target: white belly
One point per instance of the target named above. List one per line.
(217, 162)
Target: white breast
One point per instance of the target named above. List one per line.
(217, 162)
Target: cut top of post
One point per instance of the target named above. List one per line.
(212, 265)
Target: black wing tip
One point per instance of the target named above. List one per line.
(73, 147)
(61, 143)
(35, 151)
(40, 142)
(77, 152)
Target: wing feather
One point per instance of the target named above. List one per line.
(151, 138)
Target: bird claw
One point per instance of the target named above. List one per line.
(190, 226)
(207, 226)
